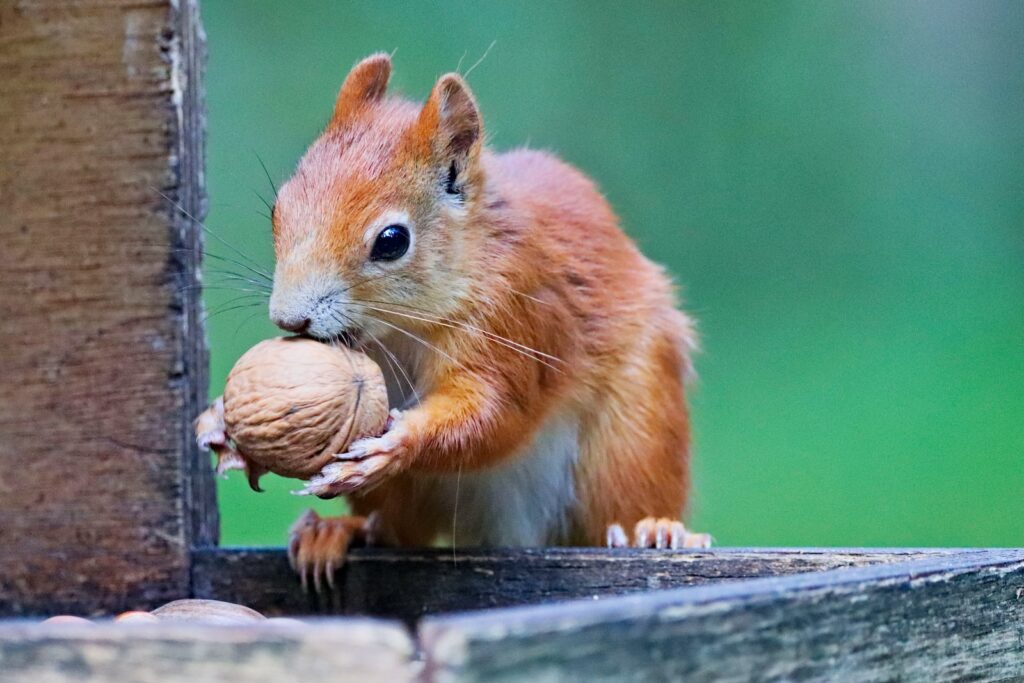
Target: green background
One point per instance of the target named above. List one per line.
(838, 188)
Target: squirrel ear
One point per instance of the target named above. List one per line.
(365, 83)
(451, 118)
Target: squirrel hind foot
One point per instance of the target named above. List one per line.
(662, 533)
(318, 546)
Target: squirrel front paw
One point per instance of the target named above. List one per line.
(209, 427)
(212, 434)
(317, 546)
(366, 463)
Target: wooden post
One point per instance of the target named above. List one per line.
(102, 492)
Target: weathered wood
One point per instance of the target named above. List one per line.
(104, 359)
(355, 650)
(407, 584)
(885, 615)
(957, 617)
(199, 490)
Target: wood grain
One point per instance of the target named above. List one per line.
(881, 615)
(355, 650)
(104, 358)
(951, 617)
(408, 584)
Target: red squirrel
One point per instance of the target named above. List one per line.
(538, 358)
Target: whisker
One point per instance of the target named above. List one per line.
(257, 272)
(494, 336)
(270, 207)
(416, 337)
(195, 220)
(368, 281)
(229, 288)
(266, 173)
(527, 351)
(226, 276)
(209, 270)
(442, 269)
(248, 319)
(230, 308)
(242, 297)
(465, 325)
(455, 510)
(393, 362)
(389, 358)
(334, 340)
(482, 58)
(226, 259)
(530, 297)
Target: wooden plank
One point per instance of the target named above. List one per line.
(958, 617)
(104, 359)
(407, 584)
(329, 650)
(199, 487)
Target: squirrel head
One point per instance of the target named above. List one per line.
(373, 231)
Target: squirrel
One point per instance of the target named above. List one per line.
(539, 359)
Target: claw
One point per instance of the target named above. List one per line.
(664, 534)
(354, 453)
(317, 547)
(228, 459)
(329, 570)
(253, 473)
(661, 534)
(373, 529)
(616, 537)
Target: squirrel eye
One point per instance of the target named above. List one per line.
(391, 243)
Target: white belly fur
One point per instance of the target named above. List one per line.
(522, 502)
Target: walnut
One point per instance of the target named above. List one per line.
(291, 404)
(210, 611)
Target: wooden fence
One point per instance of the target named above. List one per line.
(106, 505)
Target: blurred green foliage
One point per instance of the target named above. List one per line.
(838, 187)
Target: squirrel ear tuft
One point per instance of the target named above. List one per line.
(452, 118)
(366, 83)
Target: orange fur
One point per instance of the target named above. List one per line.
(530, 253)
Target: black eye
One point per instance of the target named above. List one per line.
(453, 176)
(391, 244)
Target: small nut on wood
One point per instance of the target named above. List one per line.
(136, 617)
(291, 404)
(67, 619)
(209, 611)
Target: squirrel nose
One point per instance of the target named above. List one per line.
(296, 325)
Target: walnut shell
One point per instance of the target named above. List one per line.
(291, 403)
(136, 617)
(211, 611)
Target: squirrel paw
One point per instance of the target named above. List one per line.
(211, 434)
(209, 427)
(653, 532)
(317, 546)
(367, 463)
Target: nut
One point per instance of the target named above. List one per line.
(136, 617)
(210, 611)
(291, 404)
